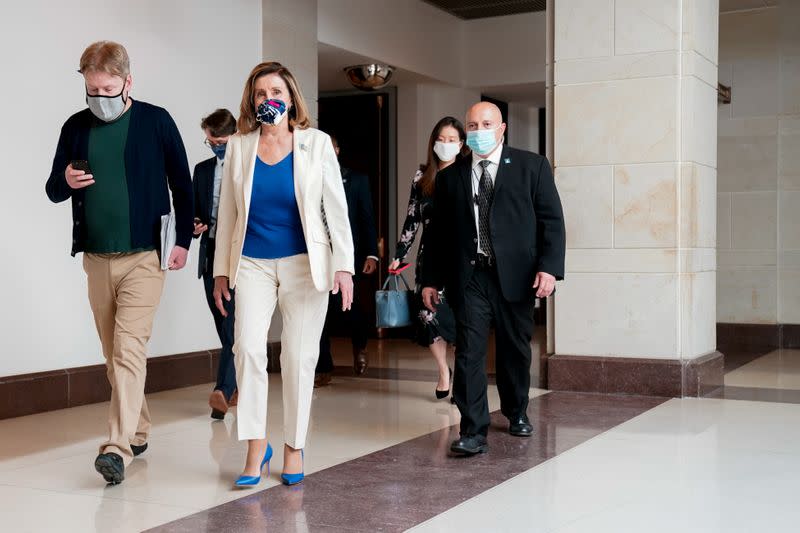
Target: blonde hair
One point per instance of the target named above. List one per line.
(106, 56)
(298, 113)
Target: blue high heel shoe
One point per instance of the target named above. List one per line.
(252, 481)
(294, 479)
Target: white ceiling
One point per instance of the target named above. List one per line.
(333, 60)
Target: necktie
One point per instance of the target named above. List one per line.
(485, 197)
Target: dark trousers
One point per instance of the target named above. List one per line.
(353, 320)
(484, 303)
(226, 373)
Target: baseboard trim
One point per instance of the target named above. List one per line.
(27, 394)
(790, 336)
(670, 378)
(757, 337)
(748, 337)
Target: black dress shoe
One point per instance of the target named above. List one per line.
(359, 361)
(111, 467)
(138, 450)
(520, 426)
(469, 445)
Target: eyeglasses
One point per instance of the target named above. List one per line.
(212, 144)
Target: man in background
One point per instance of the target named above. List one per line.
(207, 180)
(365, 241)
(497, 243)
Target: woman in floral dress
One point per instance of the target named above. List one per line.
(435, 330)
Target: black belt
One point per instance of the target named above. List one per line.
(484, 261)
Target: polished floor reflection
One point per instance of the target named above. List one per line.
(400, 486)
(766, 376)
(46, 459)
(691, 465)
(779, 369)
(377, 460)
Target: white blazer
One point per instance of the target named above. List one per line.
(317, 187)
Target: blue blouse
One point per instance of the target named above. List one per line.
(274, 229)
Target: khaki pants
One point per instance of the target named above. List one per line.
(262, 284)
(124, 291)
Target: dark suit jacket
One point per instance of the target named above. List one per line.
(527, 225)
(203, 186)
(362, 220)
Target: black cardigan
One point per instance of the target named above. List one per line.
(154, 159)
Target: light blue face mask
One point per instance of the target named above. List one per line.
(482, 142)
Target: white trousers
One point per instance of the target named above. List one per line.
(263, 283)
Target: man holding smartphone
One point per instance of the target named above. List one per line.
(207, 181)
(117, 161)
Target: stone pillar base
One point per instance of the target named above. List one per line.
(646, 377)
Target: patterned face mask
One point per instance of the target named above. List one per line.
(271, 111)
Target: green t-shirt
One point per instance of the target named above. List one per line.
(108, 225)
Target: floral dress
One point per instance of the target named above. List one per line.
(431, 326)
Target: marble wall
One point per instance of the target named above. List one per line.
(635, 149)
(758, 203)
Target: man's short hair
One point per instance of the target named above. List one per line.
(106, 56)
(220, 123)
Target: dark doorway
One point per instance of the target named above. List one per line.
(364, 125)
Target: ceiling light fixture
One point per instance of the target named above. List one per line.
(369, 77)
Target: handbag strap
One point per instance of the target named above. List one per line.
(396, 284)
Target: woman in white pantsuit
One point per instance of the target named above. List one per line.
(283, 238)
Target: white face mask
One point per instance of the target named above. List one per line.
(446, 151)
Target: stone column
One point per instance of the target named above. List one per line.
(635, 148)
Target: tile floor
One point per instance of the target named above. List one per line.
(597, 463)
(694, 465)
(779, 369)
(46, 460)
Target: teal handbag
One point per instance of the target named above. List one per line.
(393, 305)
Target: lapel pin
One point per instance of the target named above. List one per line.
(507, 160)
(303, 147)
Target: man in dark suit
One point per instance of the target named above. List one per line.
(365, 242)
(497, 243)
(218, 127)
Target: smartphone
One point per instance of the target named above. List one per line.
(81, 164)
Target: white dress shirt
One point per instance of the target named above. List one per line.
(212, 230)
(477, 172)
